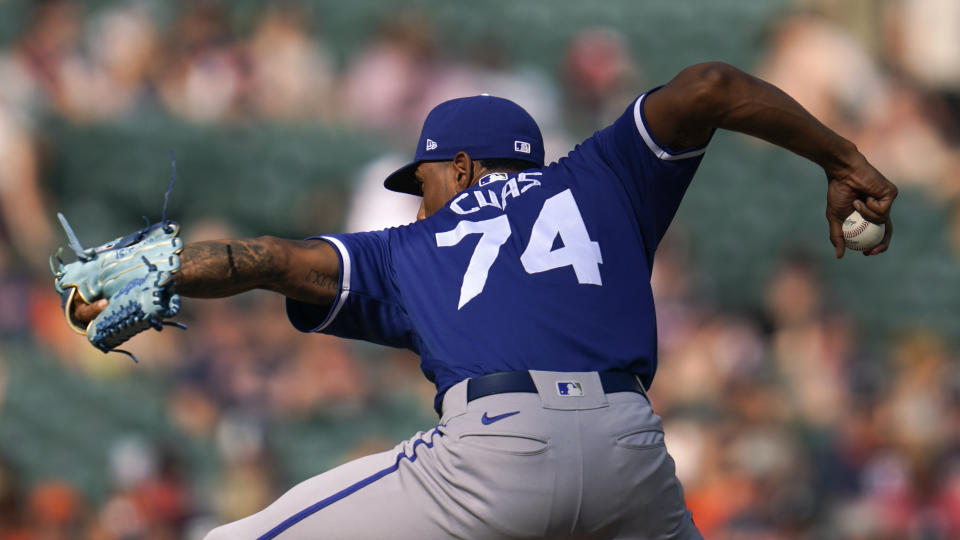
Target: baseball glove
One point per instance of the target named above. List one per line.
(134, 272)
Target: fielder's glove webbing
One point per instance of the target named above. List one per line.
(134, 272)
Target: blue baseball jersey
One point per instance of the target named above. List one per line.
(548, 269)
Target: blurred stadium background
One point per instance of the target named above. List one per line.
(803, 397)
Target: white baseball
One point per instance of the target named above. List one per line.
(860, 234)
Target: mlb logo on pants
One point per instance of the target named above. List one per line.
(569, 388)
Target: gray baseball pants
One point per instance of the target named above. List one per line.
(515, 465)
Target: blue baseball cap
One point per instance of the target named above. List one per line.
(485, 127)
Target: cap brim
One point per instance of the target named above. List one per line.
(403, 180)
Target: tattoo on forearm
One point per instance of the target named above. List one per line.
(233, 266)
(321, 280)
(222, 268)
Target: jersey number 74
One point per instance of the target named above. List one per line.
(559, 216)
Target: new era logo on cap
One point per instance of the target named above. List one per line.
(431, 145)
(520, 146)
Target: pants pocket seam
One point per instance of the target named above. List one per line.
(621, 440)
(465, 439)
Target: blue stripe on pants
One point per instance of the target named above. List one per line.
(316, 507)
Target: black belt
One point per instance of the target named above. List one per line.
(521, 381)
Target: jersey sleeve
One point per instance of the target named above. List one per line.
(653, 176)
(367, 305)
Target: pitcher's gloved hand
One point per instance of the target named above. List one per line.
(134, 274)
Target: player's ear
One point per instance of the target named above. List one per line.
(463, 166)
(422, 211)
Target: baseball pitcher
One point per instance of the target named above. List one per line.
(525, 289)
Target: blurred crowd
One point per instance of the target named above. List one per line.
(118, 62)
(781, 423)
(887, 76)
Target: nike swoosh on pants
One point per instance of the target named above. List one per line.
(487, 420)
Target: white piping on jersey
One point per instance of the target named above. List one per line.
(344, 282)
(661, 153)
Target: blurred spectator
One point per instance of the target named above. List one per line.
(384, 87)
(902, 131)
(32, 71)
(192, 410)
(600, 77)
(810, 344)
(371, 206)
(292, 77)
(247, 488)
(55, 510)
(201, 77)
(322, 375)
(110, 80)
(915, 411)
(151, 498)
(248, 480)
(923, 38)
(12, 514)
(23, 222)
(826, 70)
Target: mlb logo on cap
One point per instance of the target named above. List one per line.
(569, 388)
(520, 146)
